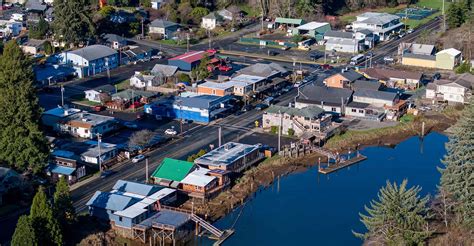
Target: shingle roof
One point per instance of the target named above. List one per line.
(110, 201)
(316, 94)
(94, 52)
(128, 94)
(213, 15)
(166, 70)
(382, 95)
(114, 38)
(289, 21)
(420, 56)
(263, 70)
(135, 188)
(310, 111)
(351, 75)
(377, 18)
(163, 23)
(366, 84)
(386, 74)
(172, 169)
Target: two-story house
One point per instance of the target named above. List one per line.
(458, 90)
(91, 60)
(381, 24)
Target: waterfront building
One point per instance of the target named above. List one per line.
(231, 156)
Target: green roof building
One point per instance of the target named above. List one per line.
(171, 171)
(289, 21)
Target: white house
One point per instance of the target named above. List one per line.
(345, 42)
(456, 91)
(139, 80)
(91, 60)
(381, 24)
(96, 96)
(87, 125)
(164, 28)
(10, 28)
(211, 21)
(156, 4)
(106, 152)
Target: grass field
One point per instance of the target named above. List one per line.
(435, 4)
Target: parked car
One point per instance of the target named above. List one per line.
(285, 48)
(106, 174)
(98, 108)
(171, 132)
(268, 100)
(286, 88)
(272, 53)
(410, 30)
(388, 59)
(261, 106)
(247, 108)
(130, 125)
(138, 158)
(401, 34)
(315, 66)
(327, 67)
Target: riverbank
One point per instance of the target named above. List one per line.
(272, 169)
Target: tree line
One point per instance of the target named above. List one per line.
(48, 220)
(400, 216)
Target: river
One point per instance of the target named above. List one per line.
(311, 209)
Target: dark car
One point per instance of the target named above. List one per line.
(327, 67)
(272, 53)
(106, 174)
(315, 66)
(247, 108)
(261, 106)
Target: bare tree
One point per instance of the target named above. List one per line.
(140, 139)
(442, 206)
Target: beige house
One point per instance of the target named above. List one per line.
(311, 119)
(448, 58)
(458, 90)
(211, 21)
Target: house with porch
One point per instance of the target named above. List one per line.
(458, 90)
(394, 78)
(212, 20)
(332, 100)
(63, 163)
(163, 28)
(91, 60)
(86, 125)
(381, 24)
(344, 79)
(171, 172)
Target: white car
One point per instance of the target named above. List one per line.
(171, 132)
(138, 158)
(409, 30)
(388, 59)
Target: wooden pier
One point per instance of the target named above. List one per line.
(340, 165)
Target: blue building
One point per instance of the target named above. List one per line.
(202, 108)
(129, 203)
(91, 60)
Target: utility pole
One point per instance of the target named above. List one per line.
(209, 35)
(99, 139)
(187, 42)
(143, 29)
(444, 17)
(62, 95)
(220, 136)
(279, 132)
(146, 170)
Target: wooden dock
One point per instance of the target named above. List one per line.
(343, 164)
(227, 234)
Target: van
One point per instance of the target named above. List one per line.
(268, 100)
(357, 59)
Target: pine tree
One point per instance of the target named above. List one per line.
(45, 225)
(457, 176)
(397, 217)
(24, 233)
(23, 145)
(72, 22)
(64, 210)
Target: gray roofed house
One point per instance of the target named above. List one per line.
(164, 28)
(376, 18)
(163, 23)
(130, 94)
(268, 71)
(115, 41)
(135, 188)
(351, 75)
(166, 70)
(317, 95)
(308, 112)
(375, 98)
(338, 34)
(94, 52)
(366, 84)
(35, 6)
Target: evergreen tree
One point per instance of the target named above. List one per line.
(45, 225)
(457, 177)
(39, 30)
(72, 22)
(23, 145)
(397, 217)
(64, 210)
(24, 233)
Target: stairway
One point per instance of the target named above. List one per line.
(213, 230)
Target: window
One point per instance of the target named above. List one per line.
(120, 218)
(354, 110)
(86, 131)
(361, 111)
(333, 109)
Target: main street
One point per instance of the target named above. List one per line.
(234, 128)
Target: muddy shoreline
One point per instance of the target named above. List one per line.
(264, 174)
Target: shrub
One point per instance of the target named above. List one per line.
(291, 132)
(274, 129)
(182, 77)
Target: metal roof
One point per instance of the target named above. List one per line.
(226, 154)
(190, 57)
(62, 112)
(94, 52)
(163, 23)
(166, 70)
(129, 94)
(172, 169)
(312, 25)
(310, 111)
(376, 18)
(263, 70)
(61, 169)
(88, 118)
(450, 51)
(198, 178)
(351, 75)
(110, 201)
(135, 188)
(167, 217)
(214, 85)
(420, 56)
(200, 101)
(338, 34)
(382, 95)
(289, 21)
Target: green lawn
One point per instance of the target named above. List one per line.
(251, 12)
(350, 17)
(122, 85)
(87, 102)
(435, 4)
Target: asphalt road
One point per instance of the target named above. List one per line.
(234, 128)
